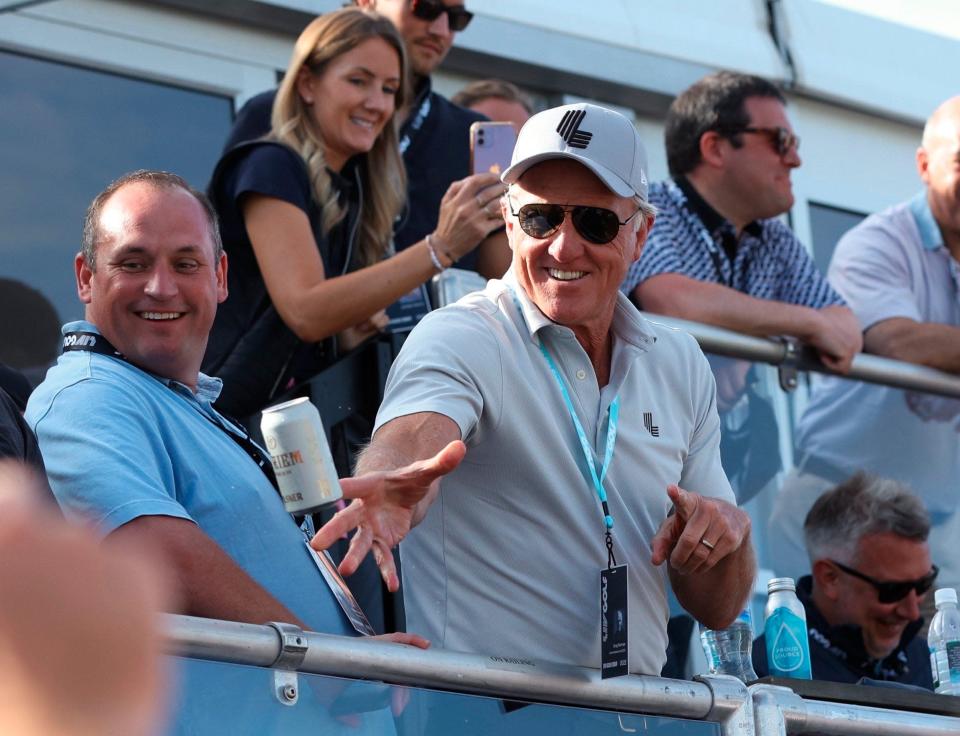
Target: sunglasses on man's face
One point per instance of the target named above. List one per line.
(782, 140)
(893, 591)
(458, 17)
(597, 224)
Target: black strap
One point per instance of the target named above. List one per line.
(92, 342)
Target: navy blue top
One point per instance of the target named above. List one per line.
(250, 347)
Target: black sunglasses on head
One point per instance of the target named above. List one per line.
(457, 16)
(893, 591)
(782, 140)
(597, 224)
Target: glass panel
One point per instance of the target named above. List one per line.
(217, 698)
(782, 450)
(827, 224)
(65, 132)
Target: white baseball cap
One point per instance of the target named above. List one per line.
(604, 141)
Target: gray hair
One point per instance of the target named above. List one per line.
(159, 179)
(647, 212)
(858, 507)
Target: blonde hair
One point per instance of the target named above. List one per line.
(382, 173)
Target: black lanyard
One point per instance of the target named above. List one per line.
(91, 342)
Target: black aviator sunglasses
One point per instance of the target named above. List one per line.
(893, 591)
(457, 16)
(597, 224)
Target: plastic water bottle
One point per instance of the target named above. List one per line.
(785, 629)
(729, 650)
(943, 639)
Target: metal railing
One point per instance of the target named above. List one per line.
(791, 354)
(739, 711)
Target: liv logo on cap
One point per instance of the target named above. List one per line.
(569, 129)
(603, 140)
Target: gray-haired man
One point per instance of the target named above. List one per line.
(578, 414)
(870, 563)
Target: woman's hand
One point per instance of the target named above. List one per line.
(469, 211)
(351, 337)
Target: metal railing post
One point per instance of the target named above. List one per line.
(767, 711)
(732, 707)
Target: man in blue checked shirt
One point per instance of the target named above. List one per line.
(718, 254)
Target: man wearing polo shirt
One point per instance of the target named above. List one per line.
(579, 434)
(719, 255)
(899, 272)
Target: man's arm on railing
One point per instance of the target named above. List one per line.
(833, 331)
(208, 582)
(926, 343)
(397, 478)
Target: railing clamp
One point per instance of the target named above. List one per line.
(768, 703)
(293, 649)
(787, 369)
(732, 706)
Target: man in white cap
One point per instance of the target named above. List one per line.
(582, 421)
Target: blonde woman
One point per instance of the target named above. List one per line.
(307, 214)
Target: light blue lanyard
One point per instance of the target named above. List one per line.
(584, 442)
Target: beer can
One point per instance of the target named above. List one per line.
(300, 456)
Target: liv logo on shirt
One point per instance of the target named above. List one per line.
(788, 650)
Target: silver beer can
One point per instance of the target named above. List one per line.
(300, 455)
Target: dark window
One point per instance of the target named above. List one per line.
(827, 224)
(65, 133)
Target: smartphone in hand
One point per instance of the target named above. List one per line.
(491, 147)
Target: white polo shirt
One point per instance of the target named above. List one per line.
(507, 560)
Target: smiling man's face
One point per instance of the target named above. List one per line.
(573, 282)
(157, 282)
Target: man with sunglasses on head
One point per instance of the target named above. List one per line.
(870, 572)
(719, 253)
(592, 434)
(434, 133)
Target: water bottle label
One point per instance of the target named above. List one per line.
(953, 661)
(788, 650)
(934, 668)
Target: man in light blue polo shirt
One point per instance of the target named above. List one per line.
(899, 272)
(131, 439)
(581, 420)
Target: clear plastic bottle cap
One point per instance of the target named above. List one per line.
(775, 584)
(945, 595)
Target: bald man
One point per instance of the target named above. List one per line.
(899, 272)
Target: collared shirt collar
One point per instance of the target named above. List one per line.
(930, 234)
(628, 325)
(208, 387)
(711, 219)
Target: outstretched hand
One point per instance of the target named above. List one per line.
(697, 524)
(383, 508)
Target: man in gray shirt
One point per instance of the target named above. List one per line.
(579, 432)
